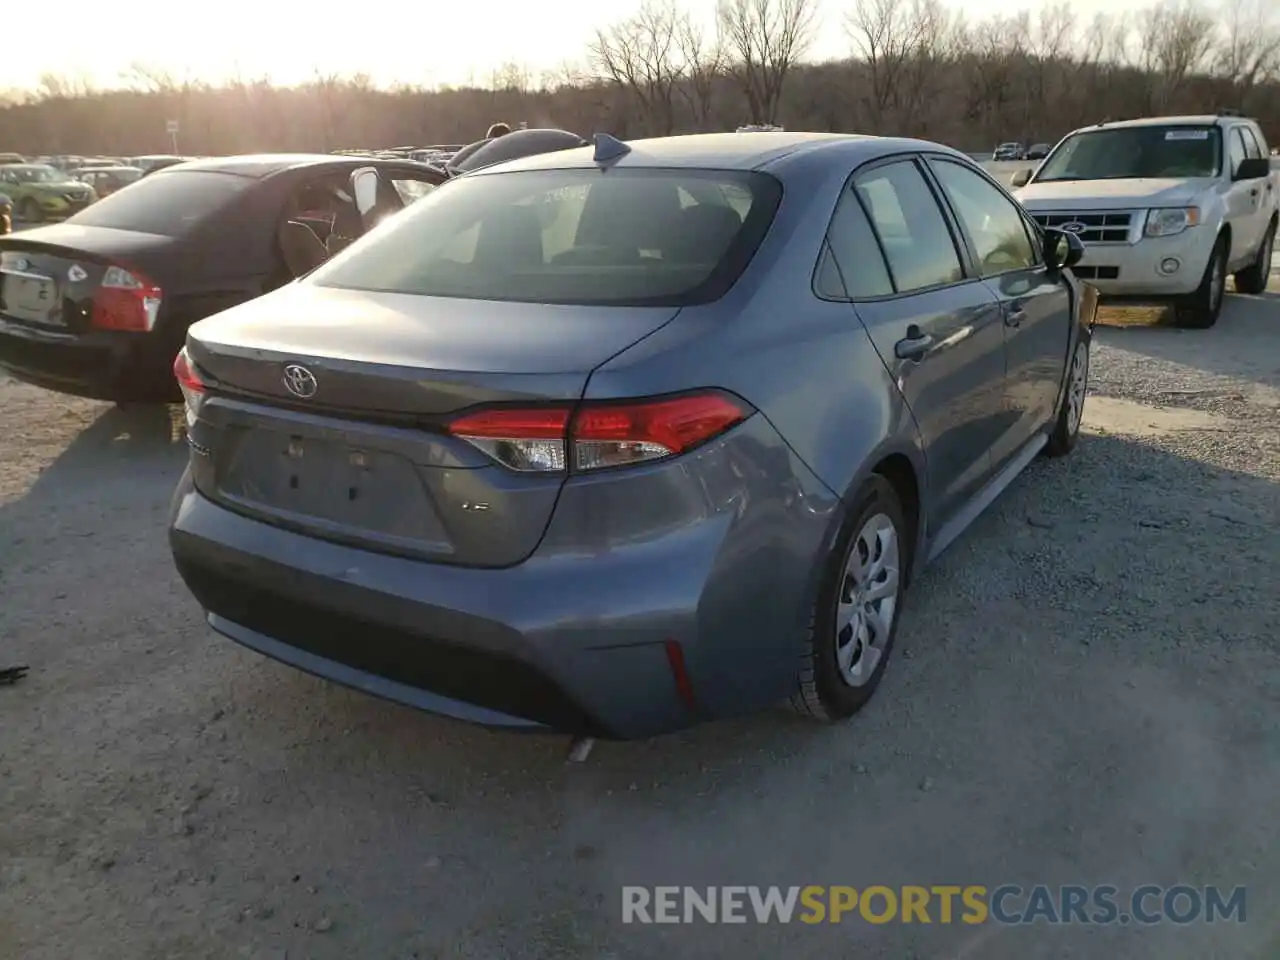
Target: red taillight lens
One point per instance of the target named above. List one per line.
(599, 435)
(193, 388)
(126, 300)
(612, 435)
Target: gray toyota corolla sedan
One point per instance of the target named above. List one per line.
(625, 437)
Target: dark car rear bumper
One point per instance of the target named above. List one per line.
(571, 639)
(101, 365)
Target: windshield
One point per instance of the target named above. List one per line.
(582, 236)
(36, 175)
(169, 204)
(1135, 152)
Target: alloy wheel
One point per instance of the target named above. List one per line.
(868, 600)
(1077, 387)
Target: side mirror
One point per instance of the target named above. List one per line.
(1020, 178)
(1062, 250)
(1253, 168)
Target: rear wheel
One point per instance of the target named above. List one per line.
(1200, 310)
(1253, 279)
(856, 616)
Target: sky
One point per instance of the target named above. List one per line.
(421, 44)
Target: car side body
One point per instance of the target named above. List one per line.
(623, 602)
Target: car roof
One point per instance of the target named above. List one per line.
(720, 151)
(107, 168)
(266, 164)
(1199, 120)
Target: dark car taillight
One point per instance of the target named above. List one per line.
(126, 300)
(599, 434)
(193, 387)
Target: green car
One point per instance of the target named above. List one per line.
(41, 193)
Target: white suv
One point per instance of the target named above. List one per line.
(1167, 207)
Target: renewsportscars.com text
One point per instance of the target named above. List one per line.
(941, 904)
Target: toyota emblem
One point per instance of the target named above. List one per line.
(1075, 226)
(21, 263)
(299, 381)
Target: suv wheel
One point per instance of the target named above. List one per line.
(1253, 278)
(856, 616)
(1200, 310)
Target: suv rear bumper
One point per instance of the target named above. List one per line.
(577, 638)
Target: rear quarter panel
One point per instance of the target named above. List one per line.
(805, 363)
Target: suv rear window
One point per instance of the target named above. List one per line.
(582, 236)
(168, 203)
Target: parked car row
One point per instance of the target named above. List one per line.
(604, 437)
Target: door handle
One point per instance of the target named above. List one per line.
(914, 345)
(1014, 316)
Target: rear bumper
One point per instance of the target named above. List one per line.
(577, 637)
(101, 365)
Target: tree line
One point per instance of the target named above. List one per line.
(914, 68)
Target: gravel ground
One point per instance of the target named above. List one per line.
(1086, 691)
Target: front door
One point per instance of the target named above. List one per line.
(1035, 302)
(938, 331)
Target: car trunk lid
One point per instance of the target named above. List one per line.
(49, 276)
(328, 413)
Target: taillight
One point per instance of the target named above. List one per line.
(193, 388)
(126, 300)
(599, 434)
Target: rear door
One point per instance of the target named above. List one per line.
(1035, 303)
(1244, 200)
(937, 329)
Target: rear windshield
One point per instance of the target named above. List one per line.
(582, 236)
(1125, 152)
(169, 204)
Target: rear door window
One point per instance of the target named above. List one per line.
(167, 203)
(856, 258)
(910, 225)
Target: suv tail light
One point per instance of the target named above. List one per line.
(194, 389)
(126, 300)
(599, 434)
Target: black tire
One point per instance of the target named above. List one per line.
(1200, 310)
(821, 691)
(29, 211)
(1066, 426)
(1253, 278)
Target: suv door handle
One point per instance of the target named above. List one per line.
(1014, 316)
(914, 345)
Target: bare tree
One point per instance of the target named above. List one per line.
(766, 38)
(1175, 37)
(1250, 44)
(642, 56)
(703, 61)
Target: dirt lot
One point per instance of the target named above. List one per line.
(1086, 691)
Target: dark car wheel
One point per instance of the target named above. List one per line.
(1200, 310)
(1253, 279)
(29, 211)
(856, 616)
(1066, 428)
